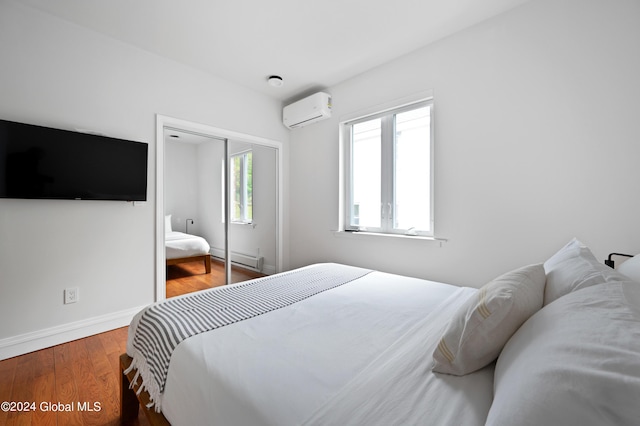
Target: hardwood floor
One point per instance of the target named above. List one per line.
(189, 277)
(78, 383)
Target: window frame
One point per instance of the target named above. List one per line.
(388, 196)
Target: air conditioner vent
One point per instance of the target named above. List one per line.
(306, 111)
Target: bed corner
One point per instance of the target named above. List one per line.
(130, 403)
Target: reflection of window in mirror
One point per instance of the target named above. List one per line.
(241, 187)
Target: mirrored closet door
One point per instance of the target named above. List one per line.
(206, 243)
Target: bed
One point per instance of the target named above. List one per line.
(552, 343)
(181, 247)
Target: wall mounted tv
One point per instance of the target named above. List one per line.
(44, 163)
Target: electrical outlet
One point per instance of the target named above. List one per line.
(71, 295)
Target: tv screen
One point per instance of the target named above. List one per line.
(41, 162)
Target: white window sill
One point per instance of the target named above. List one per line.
(379, 236)
(243, 224)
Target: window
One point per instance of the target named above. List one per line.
(241, 180)
(389, 171)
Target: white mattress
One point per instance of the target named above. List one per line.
(357, 354)
(179, 244)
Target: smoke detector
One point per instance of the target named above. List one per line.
(275, 81)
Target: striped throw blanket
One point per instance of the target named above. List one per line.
(164, 325)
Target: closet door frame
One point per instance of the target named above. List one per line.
(170, 123)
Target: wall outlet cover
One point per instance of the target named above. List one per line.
(71, 295)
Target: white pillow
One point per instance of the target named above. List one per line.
(476, 334)
(575, 362)
(167, 223)
(574, 267)
(631, 268)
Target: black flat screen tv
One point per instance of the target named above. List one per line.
(44, 163)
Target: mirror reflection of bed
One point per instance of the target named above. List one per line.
(190, 266)
(182, 247)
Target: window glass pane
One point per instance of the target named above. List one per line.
(366, 174)
(248, 203)
(412, 170)
(241, 187)
(235, 177)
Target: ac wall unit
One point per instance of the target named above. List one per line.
(307, 111)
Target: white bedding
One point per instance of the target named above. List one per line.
(575, 362)
(179, 244)
(357, 354)
(362, 353)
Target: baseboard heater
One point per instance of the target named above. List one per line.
(243, 260)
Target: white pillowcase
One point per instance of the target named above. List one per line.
(631, 268)
(575, 362)
(476, 334)
(574, 267)
(167, 224)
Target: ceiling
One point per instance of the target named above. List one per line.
(312, 45)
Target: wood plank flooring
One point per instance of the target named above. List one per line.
(77, 383)
(189, 277)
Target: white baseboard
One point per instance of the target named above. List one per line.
(36, 340)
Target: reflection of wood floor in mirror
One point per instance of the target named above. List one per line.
(189, 277)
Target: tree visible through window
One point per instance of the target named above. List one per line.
(241, 187)
(389, 171)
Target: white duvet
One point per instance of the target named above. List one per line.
(357, 354)
(179, 244)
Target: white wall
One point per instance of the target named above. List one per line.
(537, 141)
(57, 74)
(210, 157)
(181, 185)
